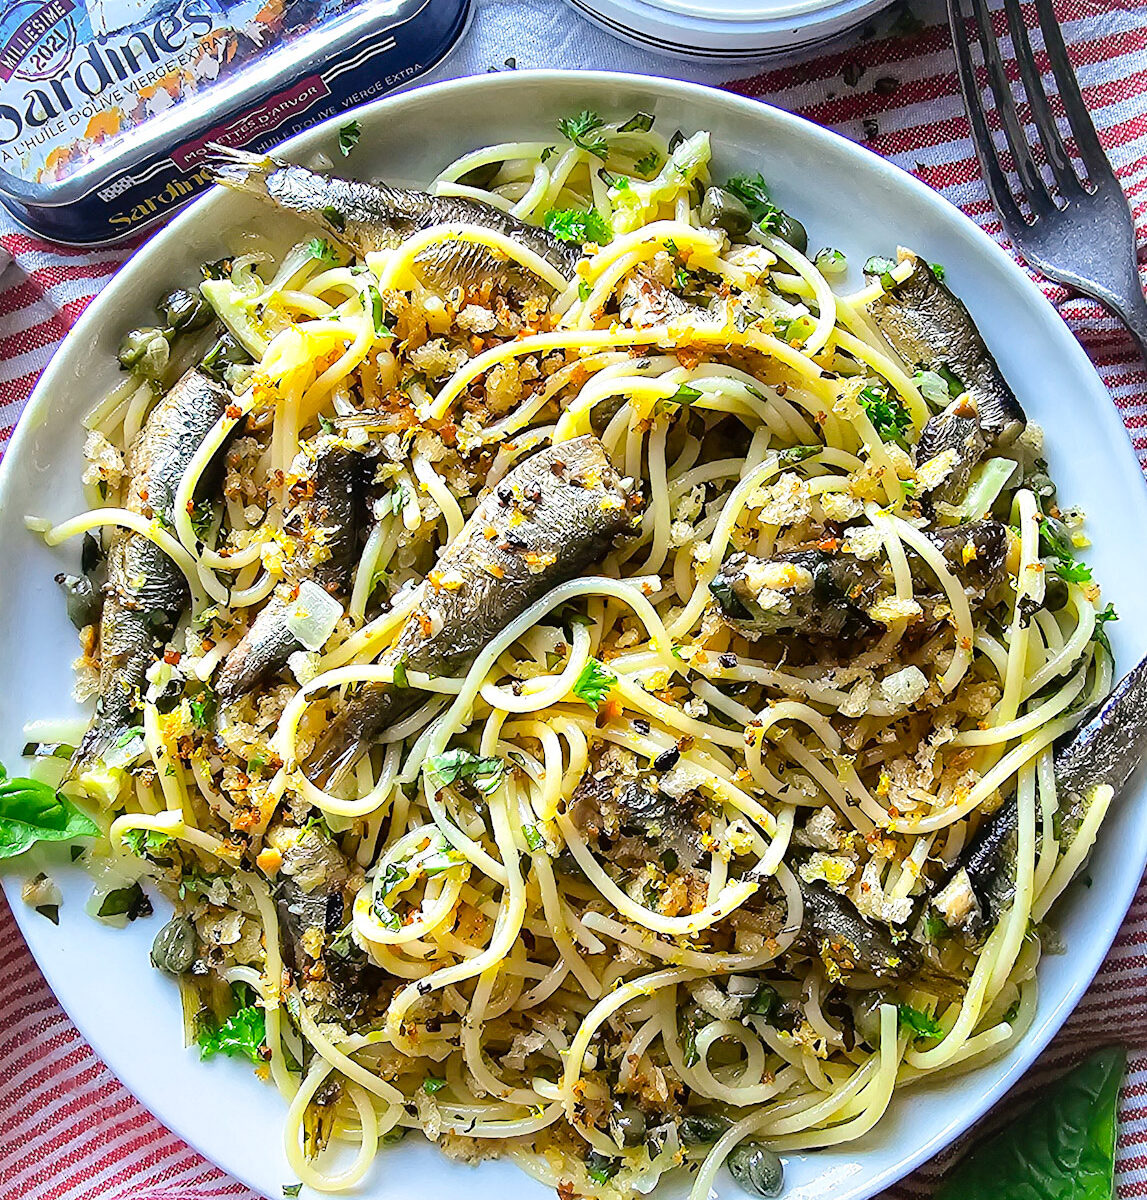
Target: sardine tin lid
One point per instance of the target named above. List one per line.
(107, 106)
(730, 31)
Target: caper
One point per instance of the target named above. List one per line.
(699, 1129)
(757, 1169)
(790, 230)
(174, 947)
(140, 345)
(1055, 591)
(80, 599)
(628, 1127)
(183, 311)
(722, 210)
(480, 177)
(227, 352)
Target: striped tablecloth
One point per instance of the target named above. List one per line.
(68, 1129)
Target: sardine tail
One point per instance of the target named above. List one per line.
(239, 169)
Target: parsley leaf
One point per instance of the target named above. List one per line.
(593, 683)
(145, 841)
(292, 1189)
(573, 225)
(400, 677)
(533, 836)
(920, 1023)
(130, 902)
(582, 131)
(202, 709)
(321, 249)
(753, 192)
(31, 811)
(584, 291)
(648, 164)
(935, 928)
(601, 1168)
(484, 773)
(889, 417)
(378, 312)
(1055, 539)
(939, 270)
(1099, 634)
(431, 1084)
(348, 136)
(240, 1036)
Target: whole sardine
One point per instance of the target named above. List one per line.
(376, 216)
(146, 592)
(546, 522)
(314, 892)
(931, 329)
(1105, 750)
(325, 524)
(956, 429)
(825, 594)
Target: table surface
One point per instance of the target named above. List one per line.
(68, 1129)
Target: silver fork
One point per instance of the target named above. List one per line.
(1081, 233)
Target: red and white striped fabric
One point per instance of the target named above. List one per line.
(68, 1129)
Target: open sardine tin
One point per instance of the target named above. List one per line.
(107, 106)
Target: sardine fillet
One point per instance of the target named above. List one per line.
(549, 519)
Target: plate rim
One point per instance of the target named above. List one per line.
(1092, 955)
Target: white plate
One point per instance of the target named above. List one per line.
(725, 30)
(847, 198)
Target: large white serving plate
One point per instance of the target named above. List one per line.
(848, 198)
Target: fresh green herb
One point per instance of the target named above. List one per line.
(431, 1084)
(391, 877)
(765, 1001)
(1063, 1147)
(292, 1189)
(145, 841)
(202, 514)
(334, 217)
(933, 387)
(753, 192)
(401, 679)
(392, 502)
(321, 249)
(548, 153)
(939, 270)
(879, 265)
(640, 122)
(582, 131)
(484, 773)
(130, 902)
(648, 164)
(584, 291)
(919, 1023)
(600, 1168)
(574, 225)
(889, 417)
(47, 750)
(128, 736)
(671, 247)
(533, 836)
(326, 424)
(689, 1051)
(797, 454)
(202, 709)
(378, 313)
(1055, 539)
(1073, 572)
(1100, 633)
(935, 927)
(240, 1036)
(593, 683)
(684, 395)
(50, 911)
(31, 811)
(1012, 1011)
(348, 136)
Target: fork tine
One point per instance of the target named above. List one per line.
(1057, 156)
(1086, 139)
(994, 177)
(1030, 181)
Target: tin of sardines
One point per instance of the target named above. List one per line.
(107, 107)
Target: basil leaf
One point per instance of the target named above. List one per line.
(1062, 1148)
(484, 773)
(31, 812)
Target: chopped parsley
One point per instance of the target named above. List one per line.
(584, 291)
(920, 1023)
(348, 136)
(582, 131)
(601, 1168)
(292, 1189)
(1099, 634)
(145, 841)
(334, 217)
(400, 677)
(321, 249)
(640, 122)
(484, 773)
(130, 902)
(648, 164)
(574, 225)
(432, 1084)
(764, 1002)
(240, 1036)
(593, 683)
(202, 709)
(939, 270)
(533, 836)
(1055, 539)
(935, 928)
(889, 417)
(753, 192)
(378, 313)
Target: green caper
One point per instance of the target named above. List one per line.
(174, 947)
(1055, 592)
(628, 1127)
(183, 311)
(140, 346)
(700, 1129)
(80, 599)
(757, 1169)
(480, 177)
(227, 352)
(790, 230)
(722, 210)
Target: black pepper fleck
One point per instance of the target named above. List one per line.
(728, 660)
(667, 759)
(641, 725)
